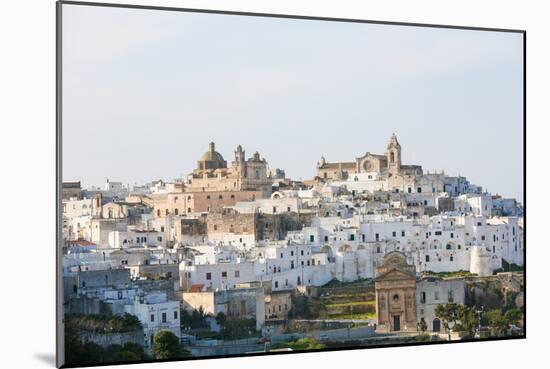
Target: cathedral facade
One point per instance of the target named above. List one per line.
(386, 169)
(395, 287)
(213, 174)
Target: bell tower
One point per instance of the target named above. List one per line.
(239, 165)
(393, 154)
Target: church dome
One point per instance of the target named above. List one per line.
(212, 154)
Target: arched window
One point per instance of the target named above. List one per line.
(158, 212)
(257, 174)
(392, 157)
(176, 211)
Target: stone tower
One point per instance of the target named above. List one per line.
(393, 154)
(240, 166)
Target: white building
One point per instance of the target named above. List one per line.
(156, 313)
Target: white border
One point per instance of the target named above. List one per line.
(28, 186)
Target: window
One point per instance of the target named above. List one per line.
(274, 209)
(394, 234)
(409, 190)
(451, 258)
(152, 317)
(302, 252)
(291, 252)
(208, 276)
(402, 233)
(208, 197)
(377, 236)
(162, 228)
(311, 238)
(423, 297)
(427, 258)
(482, 238)
(237, 274)
(276, 284)
(175, 315)
(167, 212)
(438, 233)
(449, 246)
(176, 211)
(326, 238)
(224, 274)
(352, 237)
(419, 189)
(378, 249)
(164, 317)
(188, 210)
(281, 255)
(220, 197)
(436, 295)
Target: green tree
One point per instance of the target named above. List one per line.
(468, 319)
(221, 318)
(166, 345)
(513, 316)
(422, 326)
(497, 321)
(448, 313)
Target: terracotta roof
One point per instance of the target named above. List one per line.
(81, 243)
(196, 288)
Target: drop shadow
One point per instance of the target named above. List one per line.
(46, 358)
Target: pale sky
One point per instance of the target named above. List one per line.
(144, 91)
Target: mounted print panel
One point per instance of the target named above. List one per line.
(236, 184)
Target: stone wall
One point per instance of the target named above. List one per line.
(107, 339)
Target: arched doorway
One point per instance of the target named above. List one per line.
(436, 325)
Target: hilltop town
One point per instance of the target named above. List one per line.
(236, 258)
